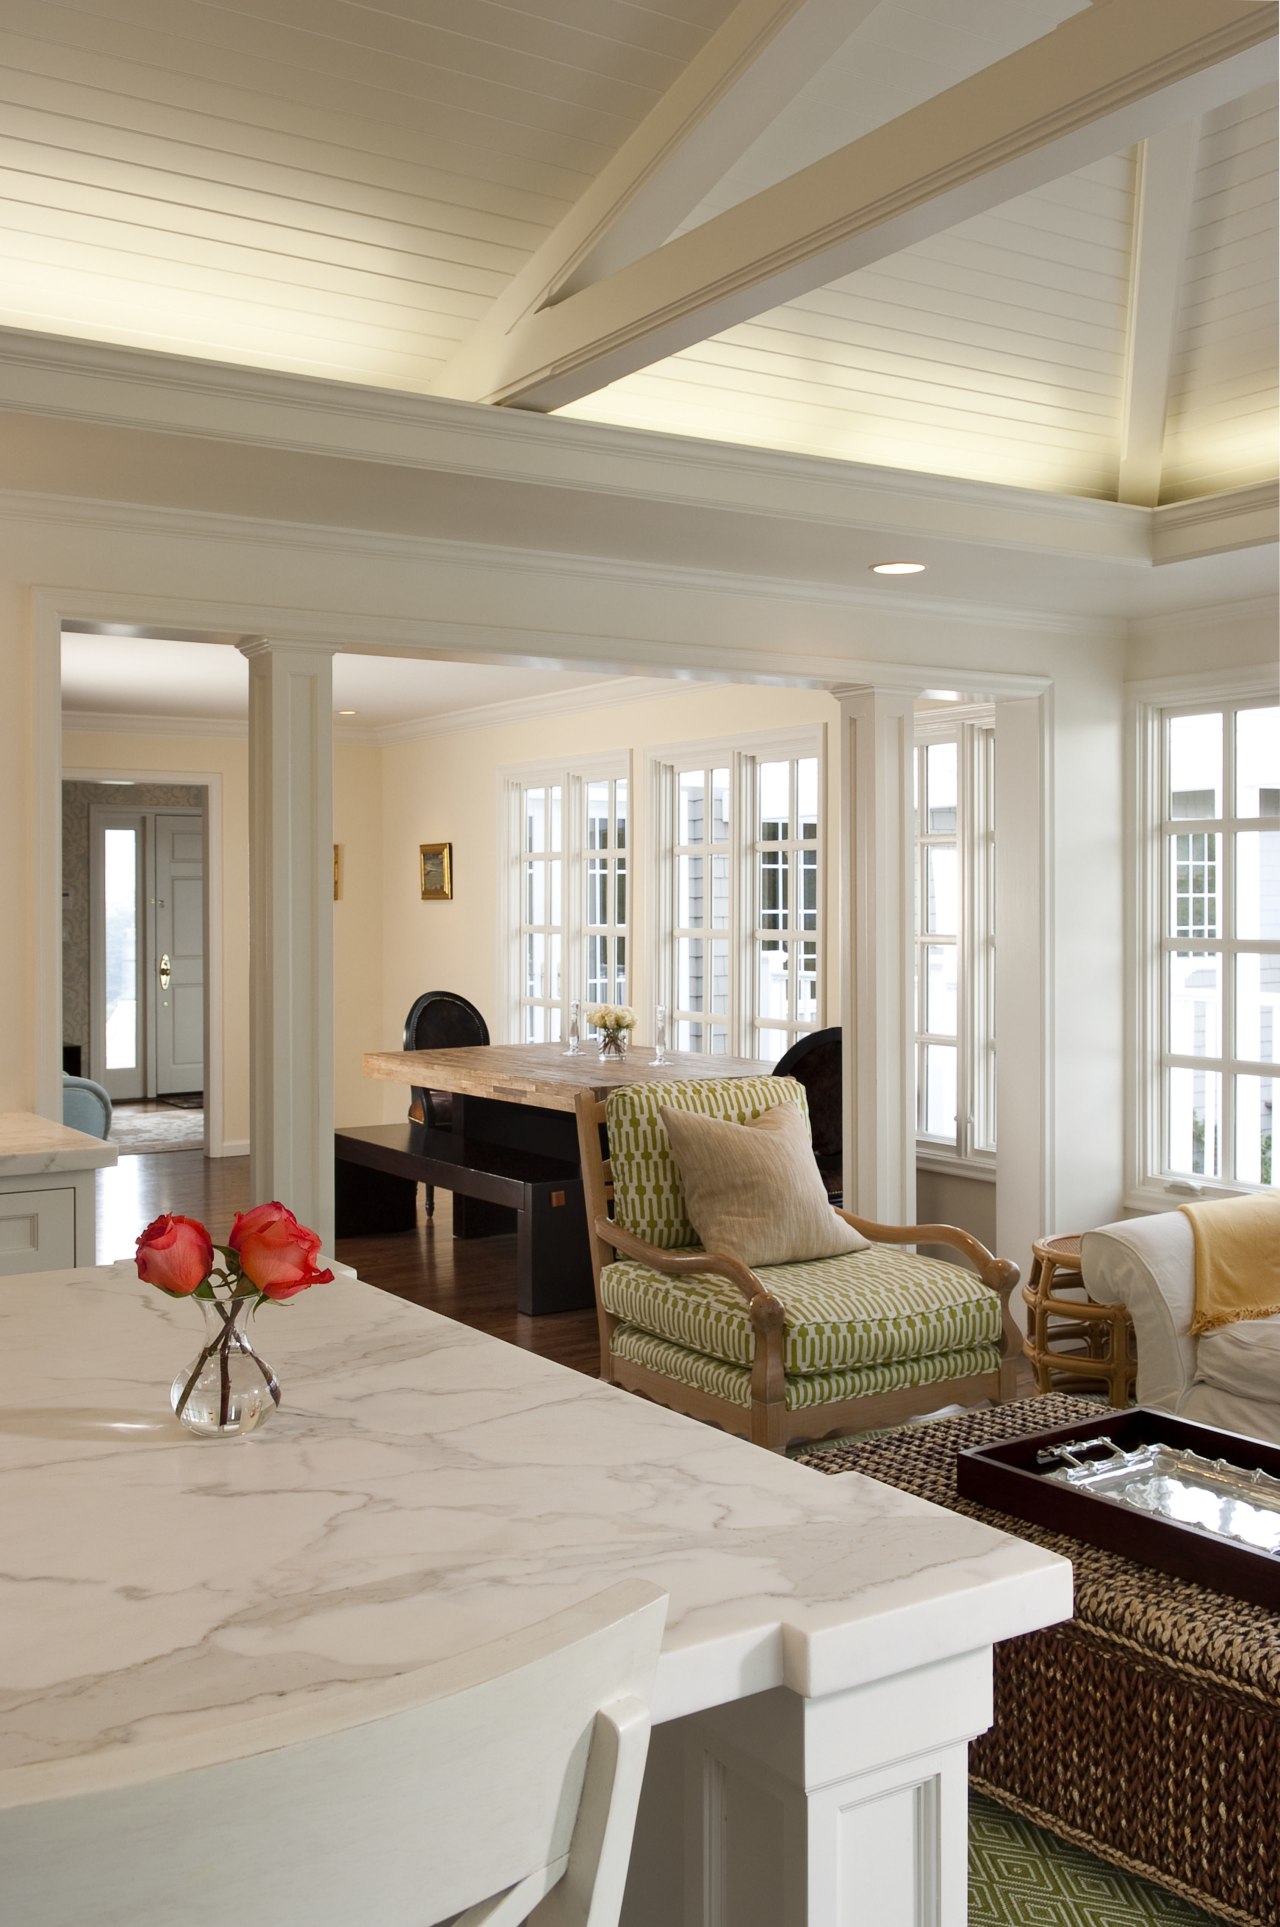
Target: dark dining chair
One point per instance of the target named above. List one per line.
(815, 1062)
(439, 1020)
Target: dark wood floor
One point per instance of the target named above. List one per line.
(472, 1280)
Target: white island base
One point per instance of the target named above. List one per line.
(424, 1489)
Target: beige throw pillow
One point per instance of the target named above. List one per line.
(754, 1191)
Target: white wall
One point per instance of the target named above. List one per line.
(447, 788)
(357, 916)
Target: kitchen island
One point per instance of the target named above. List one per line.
(425, 1488)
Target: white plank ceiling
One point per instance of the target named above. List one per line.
(340, 190)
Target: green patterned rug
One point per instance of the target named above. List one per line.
(1021, 1876)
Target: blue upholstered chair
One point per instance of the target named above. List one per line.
(85, 1106)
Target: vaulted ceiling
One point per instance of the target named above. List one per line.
(1018, 241)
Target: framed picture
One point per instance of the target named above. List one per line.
(436, 861)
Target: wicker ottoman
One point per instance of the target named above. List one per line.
(1146, 1729)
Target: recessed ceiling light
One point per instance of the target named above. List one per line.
(898, 568)
(117, 782)
(348, 712)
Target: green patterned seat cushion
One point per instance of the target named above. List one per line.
(733, 1382)
(873, 1307)
(648, 1197)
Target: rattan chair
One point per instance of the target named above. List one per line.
(789, 1352)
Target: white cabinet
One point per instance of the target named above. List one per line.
(47, 1177)
(37, 1229)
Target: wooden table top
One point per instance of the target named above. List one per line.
(542, 1075)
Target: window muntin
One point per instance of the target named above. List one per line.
(784, 865)
(740, 943)
(704, 823)
(955, 938)
(1218, 941)
(571, 937)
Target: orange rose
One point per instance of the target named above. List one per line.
(175, 1254)
(276, 1253)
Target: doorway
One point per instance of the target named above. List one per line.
(147, 944)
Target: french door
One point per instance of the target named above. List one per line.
(147, 951)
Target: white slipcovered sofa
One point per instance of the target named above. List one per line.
(1229, 1378)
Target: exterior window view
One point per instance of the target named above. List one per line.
(1221, 943)
(640, 747)
(955, 938)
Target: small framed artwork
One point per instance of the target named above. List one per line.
(436, 861)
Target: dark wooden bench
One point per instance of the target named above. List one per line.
(497, 1188)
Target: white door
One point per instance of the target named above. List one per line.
(178, 954)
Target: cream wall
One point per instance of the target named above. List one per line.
(448, 788)
(357, 812)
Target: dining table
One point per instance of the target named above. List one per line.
(510, 1155)
(424, 1490)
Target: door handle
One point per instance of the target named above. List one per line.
(165, 970)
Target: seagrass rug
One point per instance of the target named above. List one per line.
(1022, 1876)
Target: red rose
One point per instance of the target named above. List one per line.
(176, 1254)
(277, 1254)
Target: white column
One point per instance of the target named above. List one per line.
(291, 927)
(876, 736)
(847, 1811)
(1024, 1167)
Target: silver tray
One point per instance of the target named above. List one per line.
(1212, 1497)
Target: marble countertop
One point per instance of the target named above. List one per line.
(423, 1489)
(31, 1145)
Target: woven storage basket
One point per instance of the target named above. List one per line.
(1146, 1729)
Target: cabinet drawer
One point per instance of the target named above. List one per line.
(37, 1231)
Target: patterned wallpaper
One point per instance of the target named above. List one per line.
(76, 800)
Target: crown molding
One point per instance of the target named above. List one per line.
(45, 374)
(886, 604)
(563, 702)
(567, 702)
(1244, 518)
(113, 723)
(1256, 612)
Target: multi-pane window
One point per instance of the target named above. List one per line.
(570, 932)
(739, 937)
(604, 868)
(541, 932)
(1219, 941)
(785, 866)
(701, 860)
(955, 938)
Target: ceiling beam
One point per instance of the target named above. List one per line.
(1104, 79)
(731, 91)
(1166, 186)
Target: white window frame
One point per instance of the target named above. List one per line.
(573, 928)
(1149, 1186)
(972, 728)
(741, 757)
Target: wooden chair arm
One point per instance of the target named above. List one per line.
(766, 1310)
(1001, 1274)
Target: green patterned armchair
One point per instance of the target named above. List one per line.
(784, 1352)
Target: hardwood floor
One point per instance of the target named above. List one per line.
(472, 1280)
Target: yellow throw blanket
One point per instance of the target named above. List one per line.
(1237, 1244)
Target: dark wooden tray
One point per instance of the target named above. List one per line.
(1005, 1476)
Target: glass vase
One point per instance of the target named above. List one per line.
(227, 1389)
(613, 1043)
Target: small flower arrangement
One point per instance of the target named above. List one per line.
(268, 1255)
(268, 1258)
(616, 1017)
